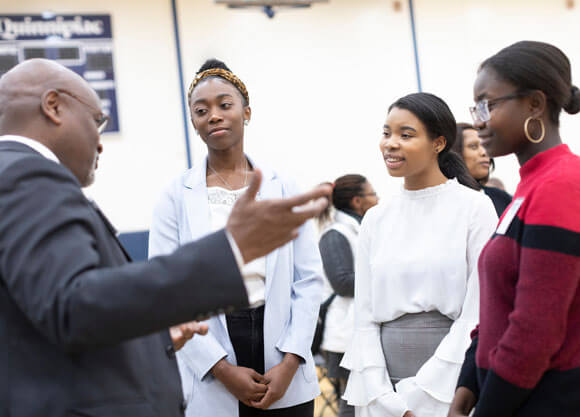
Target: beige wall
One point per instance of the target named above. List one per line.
(150, 149)
(455, 39)
(320, 81)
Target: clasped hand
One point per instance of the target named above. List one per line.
(253, 389)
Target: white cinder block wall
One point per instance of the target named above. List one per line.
(320, 81)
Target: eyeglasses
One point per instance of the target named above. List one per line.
(374, 194)
(481, 111)
(102, 120)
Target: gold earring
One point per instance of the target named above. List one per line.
(528, 136)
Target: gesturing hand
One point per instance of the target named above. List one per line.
(244, 383)
(278, 379)
(259, 227)
(183, 332)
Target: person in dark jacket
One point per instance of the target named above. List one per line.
(84, 332)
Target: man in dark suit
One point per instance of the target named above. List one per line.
(84, 332)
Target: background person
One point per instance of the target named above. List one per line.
(352, 196)
(479, 164)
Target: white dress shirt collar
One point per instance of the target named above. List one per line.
(37, 146)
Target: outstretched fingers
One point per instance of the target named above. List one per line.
(318, 197)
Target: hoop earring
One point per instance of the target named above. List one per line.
(246, 122)
(528, 136)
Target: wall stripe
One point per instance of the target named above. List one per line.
(414, 33)
(181, 84)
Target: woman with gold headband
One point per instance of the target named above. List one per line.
(255, 362)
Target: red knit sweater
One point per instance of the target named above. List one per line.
(528, 343)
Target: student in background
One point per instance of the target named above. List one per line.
(479, 164)
(352, 196)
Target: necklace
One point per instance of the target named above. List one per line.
(227, 184)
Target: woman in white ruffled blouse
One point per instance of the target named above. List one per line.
(416, 290)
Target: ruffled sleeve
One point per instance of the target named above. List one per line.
(369, 387)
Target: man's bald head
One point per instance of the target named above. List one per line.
(40, 73)
(47, 102)
(31, 79)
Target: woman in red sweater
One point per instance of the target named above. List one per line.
(525, 357)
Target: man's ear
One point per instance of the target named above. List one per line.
(50, 106)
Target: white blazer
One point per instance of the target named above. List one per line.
(292, 293)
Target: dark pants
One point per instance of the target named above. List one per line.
(246, 331)
(339, 374)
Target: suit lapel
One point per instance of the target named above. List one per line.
(20, 147)
(114, 233)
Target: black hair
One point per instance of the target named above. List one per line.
(438, 121)
(458, 148)
(344, 189)
(214, 63)
(530, 65)
(458, 145)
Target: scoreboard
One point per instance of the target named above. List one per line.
(83, 43)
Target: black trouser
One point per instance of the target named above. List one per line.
(246, 331)
(334, 370)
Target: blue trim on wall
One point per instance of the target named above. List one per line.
(414, 32)
(181, 88)
(136, 244)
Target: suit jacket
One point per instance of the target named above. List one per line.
(82, 329)
(293, 294)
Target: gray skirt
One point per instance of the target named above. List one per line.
(409, 341)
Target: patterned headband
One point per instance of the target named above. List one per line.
(219, 72)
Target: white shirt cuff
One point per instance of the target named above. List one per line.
(240, 262)
(236, 251)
